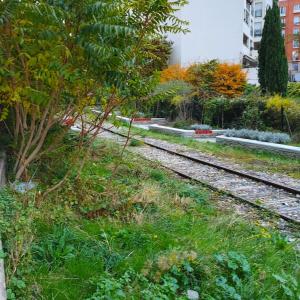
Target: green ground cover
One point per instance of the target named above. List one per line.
(151, 236)
(257, 160)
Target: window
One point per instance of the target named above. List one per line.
(257, 28)
(296, 43)
(258, 10)
(295, 67)
(283, 33)
(297, 20)
(246, 40)
(282, 11)
(296, 31)
(297, 8)
(295, 55)
(283, 22)
(256, 45)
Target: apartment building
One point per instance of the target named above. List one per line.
(260, 10)
(229, 31)
(290, 19)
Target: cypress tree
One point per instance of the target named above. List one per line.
(262, 52)
(273, 66)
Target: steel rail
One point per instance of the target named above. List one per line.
(229, 170)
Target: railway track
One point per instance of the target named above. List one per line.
(270, 196)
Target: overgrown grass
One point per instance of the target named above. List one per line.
(165, 231)
(257, 160)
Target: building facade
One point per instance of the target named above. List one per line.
(229, 31)
(260, 10)
(290, 19)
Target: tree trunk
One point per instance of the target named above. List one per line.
(22, 168)
(282, 118)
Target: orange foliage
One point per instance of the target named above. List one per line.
(229, 80)
(174, 72)
(201, 76)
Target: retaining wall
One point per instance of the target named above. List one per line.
(183, 132)
(171, 130)
(253, 144)
(152, 121)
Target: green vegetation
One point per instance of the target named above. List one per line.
(273, 66)
(130, 230)
(263, 136)
(135, 143)
(179, 102)
(257, 160)
(98, 222)
(59, 57)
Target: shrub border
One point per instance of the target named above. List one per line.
(285, 150)
(3, 295)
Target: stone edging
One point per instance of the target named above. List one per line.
(151, 121)
(253, 144)
(2, 273)
(182, 132)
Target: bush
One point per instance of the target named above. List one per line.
(293, 89)
(174, 72)
(251, 89)
(201, 76)
(172, 277)
(296, 137)
(135, 143)
(183, 266)
(252, 117)
(212, 79)
(159, 51)
(263, 136)
(229, 80)
(172, 99)
(236, 271)
(183, 124)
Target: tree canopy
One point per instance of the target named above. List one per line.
(59, 56)
(273, 66)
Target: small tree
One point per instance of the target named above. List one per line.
(59, 57)
(175, 98)
(262, 52)
(201, 76)
(173, 72)
(273, 66)
(229, 80)
(158, 53)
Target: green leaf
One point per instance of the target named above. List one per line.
(2, 254)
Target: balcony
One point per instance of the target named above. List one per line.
(247, 17)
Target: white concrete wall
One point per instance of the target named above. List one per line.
(252, 75)
(216, 32)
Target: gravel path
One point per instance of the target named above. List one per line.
(274, 199)
(280, 178)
